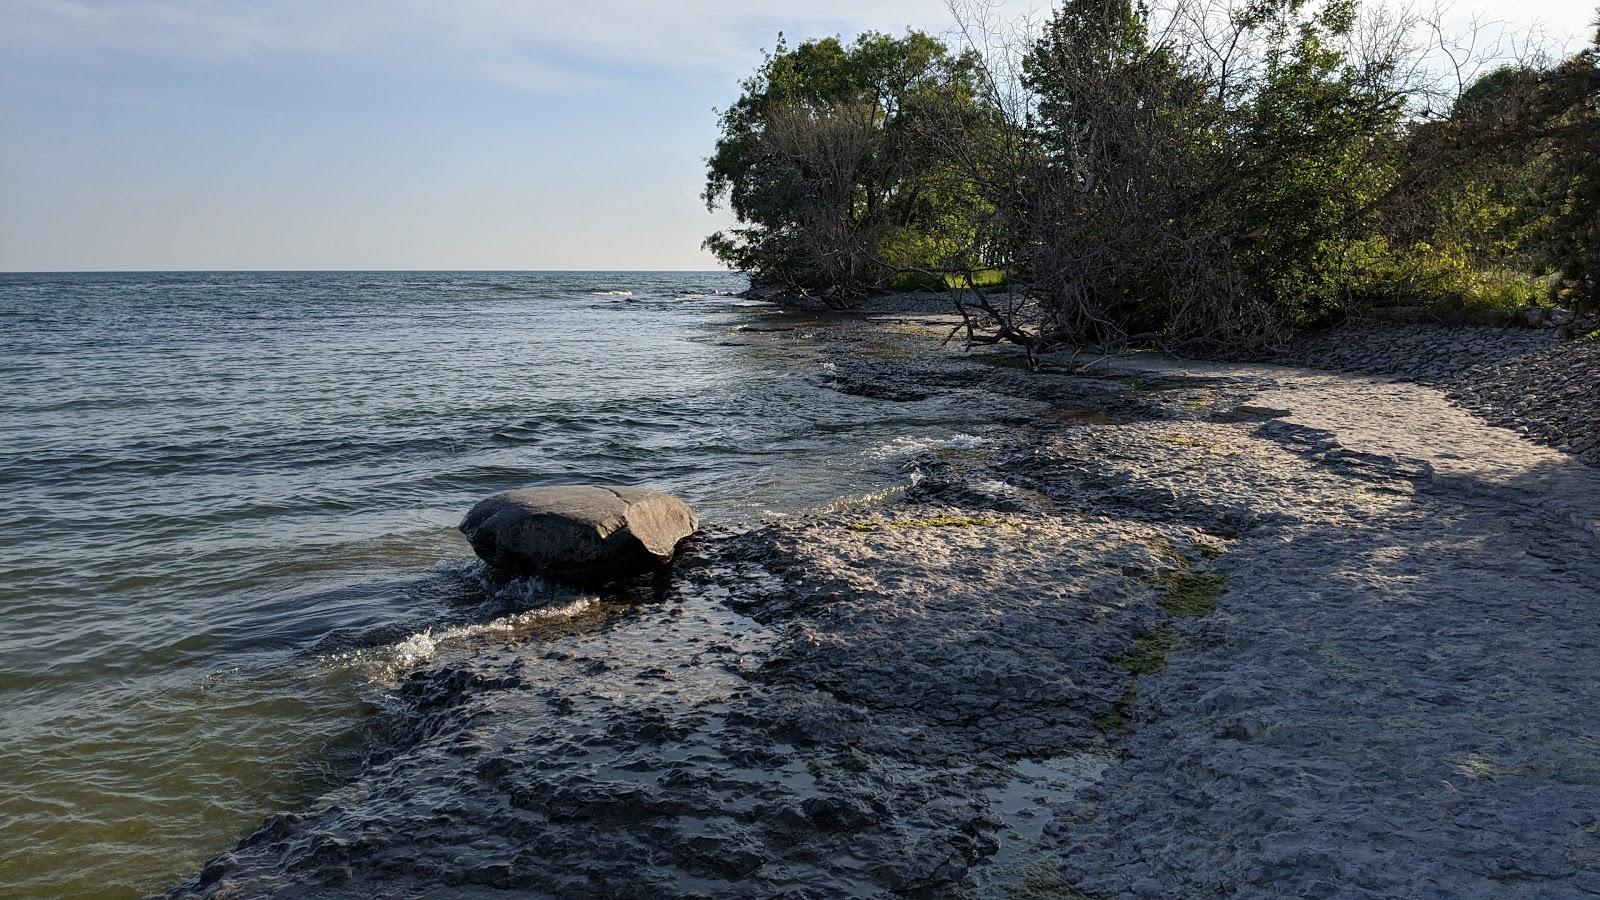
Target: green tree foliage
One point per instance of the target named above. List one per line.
(1560, 125)
(1194, 202)
(1502, 194)
(824, 161)
(1316, 151)
(1106, 212)
(1212, 176)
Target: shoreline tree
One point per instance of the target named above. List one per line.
(1202, 176)
(821, 162)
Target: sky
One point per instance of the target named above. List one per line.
(400, 134)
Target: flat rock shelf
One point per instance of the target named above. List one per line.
(1163, 629)
(1532, 382)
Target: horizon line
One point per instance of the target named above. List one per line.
(347, 271)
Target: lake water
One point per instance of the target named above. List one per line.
(228, 507)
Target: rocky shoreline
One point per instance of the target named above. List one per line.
(1165, 629)
(1541, 382)
(1531, 381)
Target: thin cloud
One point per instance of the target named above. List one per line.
(535, 46)
(523, 42)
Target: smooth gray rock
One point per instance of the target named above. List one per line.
(583, 534)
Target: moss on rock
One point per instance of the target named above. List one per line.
(1191, 594)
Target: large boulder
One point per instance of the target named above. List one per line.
(584, 534)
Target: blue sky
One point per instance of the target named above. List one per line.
(298, 134)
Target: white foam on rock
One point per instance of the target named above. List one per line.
(907, 445)
(389, 662)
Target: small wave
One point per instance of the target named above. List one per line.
(864, 501)
(613, 293)
(389, 662)
(465, 568)
(911, 446)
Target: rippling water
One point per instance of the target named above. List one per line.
(229, 502)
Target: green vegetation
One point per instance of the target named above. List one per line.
(1502, 195)
(1184, 440)
(1116, 721)
(1179, 173)
(824, 161)
(980, 279)
(1185, 593)
(1043, 881)
(1150, 652)
(1149, 656)
(1191, 594)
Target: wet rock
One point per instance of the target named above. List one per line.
(583, 534)
(874, 386)
(839, 813)
(935, 860)
(723, 855)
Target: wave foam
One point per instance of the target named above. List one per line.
(911, 446)
(465, 568)
(389, 662)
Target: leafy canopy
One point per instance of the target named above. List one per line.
(825, 161)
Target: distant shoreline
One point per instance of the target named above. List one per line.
(364, 271)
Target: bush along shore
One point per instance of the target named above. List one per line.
(1196, 176)
(1163, 629)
